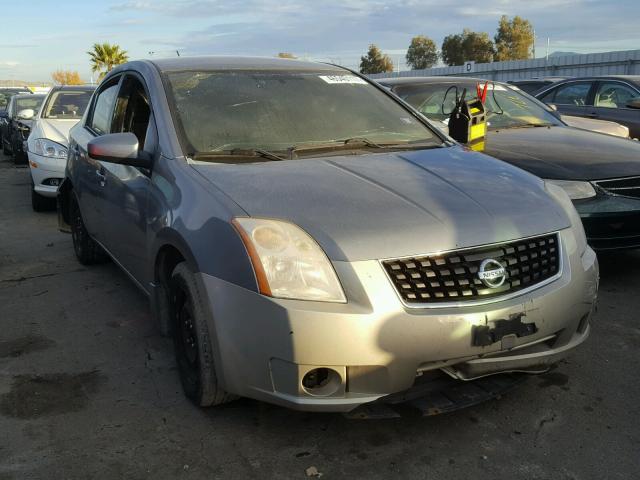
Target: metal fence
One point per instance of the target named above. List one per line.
(608, 63)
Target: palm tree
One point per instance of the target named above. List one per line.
(106, 56)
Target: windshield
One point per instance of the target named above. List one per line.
(279, 111)
(32, 101)
(5, 96)
(506, 107)
(67, 104)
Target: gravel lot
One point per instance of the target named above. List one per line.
(88, 389)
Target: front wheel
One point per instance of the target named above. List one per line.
(192, 342)
(87, 250)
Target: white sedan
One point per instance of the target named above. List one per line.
(47, 144)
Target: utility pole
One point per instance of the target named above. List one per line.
(534, 43)
(548, 41)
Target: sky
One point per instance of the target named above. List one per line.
(45, 35)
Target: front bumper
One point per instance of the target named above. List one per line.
(610, 222)
(43, 170)
(377, 346)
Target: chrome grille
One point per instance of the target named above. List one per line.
(627, 187)
(453, 276)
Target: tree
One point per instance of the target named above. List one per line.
(375, 61)
(286, 55)
(467, 46)
(66, 77)
(421, 53)
(106, 56)
(515, 39)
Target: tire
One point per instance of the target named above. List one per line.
(5, 148)
(18, 154)
(88, 252)
(192, 342)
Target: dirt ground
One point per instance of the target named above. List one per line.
(88, 389)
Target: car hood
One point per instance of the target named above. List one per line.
(55, 130)
(386, 205)
(565, 153)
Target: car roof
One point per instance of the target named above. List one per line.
(628, 78)
(88, 88)
(238, 63)
(425, 80)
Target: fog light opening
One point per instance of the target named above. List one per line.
(321, 381)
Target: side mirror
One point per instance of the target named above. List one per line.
(26, 114)
(121, 148)
(634, 103)
(553, 110)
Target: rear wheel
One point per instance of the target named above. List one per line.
(192, 342)
(87, 250)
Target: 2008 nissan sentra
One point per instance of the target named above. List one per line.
(309, 240)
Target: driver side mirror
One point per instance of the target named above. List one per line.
(634, 103)
(120, 148)
(26, 114)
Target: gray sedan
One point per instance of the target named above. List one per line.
(309, 240)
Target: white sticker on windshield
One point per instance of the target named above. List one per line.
(349, 79)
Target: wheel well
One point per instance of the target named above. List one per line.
(166, 260)
(63, 201)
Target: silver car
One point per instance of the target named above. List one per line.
(309, 240)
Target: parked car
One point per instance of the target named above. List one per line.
(311, 241)
(600, 173)
(600, 126)
(615, 98)
(48, 143)
(5, 95)
(534, 85)
(16, 130)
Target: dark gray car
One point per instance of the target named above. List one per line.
(615, 98)
(311, 241)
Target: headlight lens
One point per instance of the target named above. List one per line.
(576, 190)
(288, 262)
(47, 148)
(560, 195)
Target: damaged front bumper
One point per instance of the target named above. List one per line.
(374, 346)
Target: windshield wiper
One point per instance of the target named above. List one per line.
(238, 152)
(355, 142)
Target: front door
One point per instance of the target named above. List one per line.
(126, 188)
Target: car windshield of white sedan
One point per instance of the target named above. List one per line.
(285, 111)
(67, 104)
(505, 106)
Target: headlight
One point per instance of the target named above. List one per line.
(575, 190)
(288, 263)
(560, 195)
(47, 148)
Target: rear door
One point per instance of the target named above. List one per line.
(572, 98)
(610, 103)
(89, 179)
(126, 188)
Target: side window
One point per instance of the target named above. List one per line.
(573, 94)
(548, 97)
(101, 117)
(133, 111)
(614, 95)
